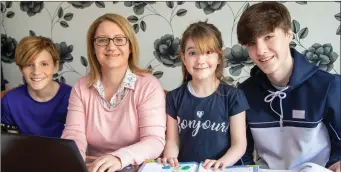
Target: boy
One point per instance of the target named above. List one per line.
(38, 107)
(294, 114)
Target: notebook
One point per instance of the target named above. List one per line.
(153, 166)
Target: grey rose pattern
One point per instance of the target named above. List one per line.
(64, 53)
(322, 56)
(31, 7)
(81, 4)
(237, 55)
(8, 46)
(167, 49)
(138, 6)
(236, 58)
(210, 6)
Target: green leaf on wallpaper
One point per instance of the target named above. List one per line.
(60, 12)
(84, 61)
(236, 70)
(181, 12)
(8, 4)
(303, 33)
(32, 33)
(62, 79)
(68, 16)
(301, 2)
(143, 26)
(295, 26)
(292, 44)
(64, 24)
(136, 28)
(10, 14)
(338, 30)
(170, 4)
(337, 16)
(246, 6)
(133, 19)
(180, 2)
(158, 74)
(100, 4)
(3, 8)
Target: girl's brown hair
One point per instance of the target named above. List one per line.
(206, 37)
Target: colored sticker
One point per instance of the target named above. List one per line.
(149, 161)
(185, 167)
(166, 167)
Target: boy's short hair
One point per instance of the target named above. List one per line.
(261, 19)
(30, 46)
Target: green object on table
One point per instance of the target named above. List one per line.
(185, 167)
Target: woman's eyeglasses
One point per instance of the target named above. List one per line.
(104, 41)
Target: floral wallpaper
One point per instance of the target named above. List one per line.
(159, 26)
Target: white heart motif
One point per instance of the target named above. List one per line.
(200, 113)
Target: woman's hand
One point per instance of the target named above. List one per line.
(106, 163)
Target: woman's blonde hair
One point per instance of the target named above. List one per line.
(206, 37)
(95, 68)
(29, 47)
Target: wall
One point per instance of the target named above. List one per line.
(159, 26)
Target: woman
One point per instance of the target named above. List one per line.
(118, 110)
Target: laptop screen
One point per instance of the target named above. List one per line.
(39, 154)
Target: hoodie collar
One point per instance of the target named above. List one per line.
(302, 70)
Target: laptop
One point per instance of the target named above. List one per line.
(39, 154)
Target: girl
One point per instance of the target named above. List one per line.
(116, 113)
(206, 117)
(38, 107)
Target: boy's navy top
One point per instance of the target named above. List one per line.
(19, 111)
(298, 124)
(203, 123)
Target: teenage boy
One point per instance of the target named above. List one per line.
(294, 114)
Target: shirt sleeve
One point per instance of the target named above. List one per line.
(332, 120)
(75, 121)
(152, 126)
(7, 121)
(170, 105)
(238, 103)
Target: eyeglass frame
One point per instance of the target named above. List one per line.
(111, 39)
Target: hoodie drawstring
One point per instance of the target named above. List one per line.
(281, 95)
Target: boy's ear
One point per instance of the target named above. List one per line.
(56, 66)
(290, 35)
